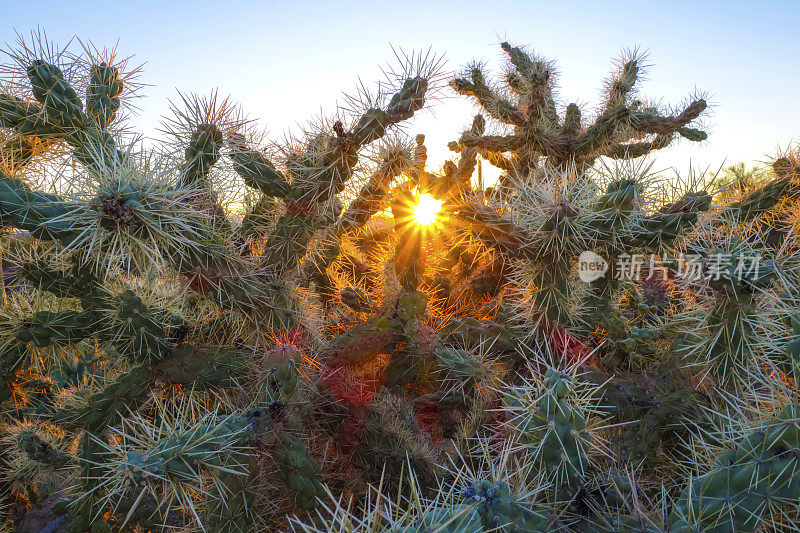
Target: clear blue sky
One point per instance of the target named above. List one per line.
(287, 61)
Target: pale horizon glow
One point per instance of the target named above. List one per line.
(286, 63)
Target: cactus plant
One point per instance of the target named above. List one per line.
(225, 334)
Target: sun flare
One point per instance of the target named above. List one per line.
(426, 209)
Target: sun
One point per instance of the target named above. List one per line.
(426, 209)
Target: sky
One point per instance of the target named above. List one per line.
(287, 62)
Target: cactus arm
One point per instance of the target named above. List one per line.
(634, 150)
(299, 470)
(457, 178)
(497, 232)
(132, 328)
(613, 208)
(42, 451)
(257, 171)
(43, 214)
(647, 122)
(92, 143)
(555, 435)
(75, 282)
(571, 126)
(362, 342)
(182, 456)
(495, 105)
(753, 479)
(531, 80)
(506, 143)
(769, 195)
(290, 239)
(202, 153)
(48, 328)
(369, 198)
(499, 510)
(602, 131)
(402, 106)
(107, 406)
(59, 100)
(407, 359)
(103, 94)
(256, 223)
(620, 87)
(670, 221)
(203, 368)
(28, 118)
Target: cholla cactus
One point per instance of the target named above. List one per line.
(140, 249)
(658, 347)
(552, 425)
(526, 104)
(227, 334)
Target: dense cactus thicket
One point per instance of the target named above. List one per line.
(215, 332)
